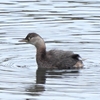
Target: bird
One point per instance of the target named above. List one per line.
(52, 59)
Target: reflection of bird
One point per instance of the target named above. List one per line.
(38, 88)
(54, 58)
(40, 76)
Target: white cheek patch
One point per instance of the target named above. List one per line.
(37, 41)
(34, 40)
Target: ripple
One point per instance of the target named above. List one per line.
(72, 25)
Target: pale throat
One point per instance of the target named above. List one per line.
(40, 46)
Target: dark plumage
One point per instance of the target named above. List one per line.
(54, 58)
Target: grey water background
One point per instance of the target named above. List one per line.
(64, 24)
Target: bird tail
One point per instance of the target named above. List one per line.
(76, 56)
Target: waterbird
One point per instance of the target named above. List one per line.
(52, 59)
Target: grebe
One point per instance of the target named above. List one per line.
(58, 59)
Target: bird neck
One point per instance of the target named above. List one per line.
(41, 50)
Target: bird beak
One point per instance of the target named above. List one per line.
(23, 40)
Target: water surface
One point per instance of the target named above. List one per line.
(68, 25)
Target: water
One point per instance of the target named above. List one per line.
(68, 25)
